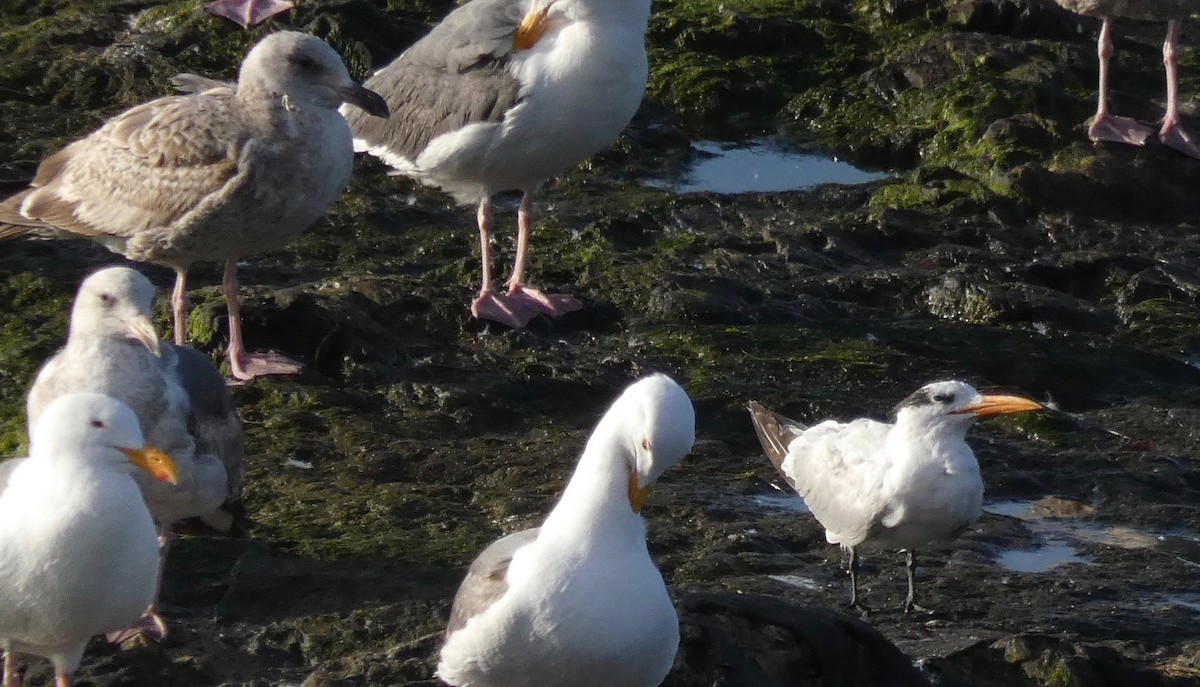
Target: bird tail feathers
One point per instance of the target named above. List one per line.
(775, 433)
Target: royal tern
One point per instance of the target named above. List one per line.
(901, 485)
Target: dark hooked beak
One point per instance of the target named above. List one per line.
(364, 98)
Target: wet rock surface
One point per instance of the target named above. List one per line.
(1003, 249)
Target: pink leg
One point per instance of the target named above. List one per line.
(179, 305)
(1105, 126)
(489, 305)
(11, 679)
(62, 679)
(247, 13)
(246, 366)
(553, 305)
(150, 626)
(1172, 133)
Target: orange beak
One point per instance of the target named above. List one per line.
(999, 405)
(153, 461)
(531, 28)
(636, 496)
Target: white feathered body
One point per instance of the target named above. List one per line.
(895, 486)
(78, 557)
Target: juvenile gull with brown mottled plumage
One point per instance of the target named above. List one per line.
(230, 171)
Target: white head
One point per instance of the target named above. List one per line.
(95, 427)
(306, 69)
(655, 416)
(116, 301)
(958, 405)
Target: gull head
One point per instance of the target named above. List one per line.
(957, 404)
(657, 419)
(116, 301)
(306, 69)
(94, 427)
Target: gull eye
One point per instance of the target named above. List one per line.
(306, 63)
(944, 398)
(106, 299)
(645, 444)
(97, 424)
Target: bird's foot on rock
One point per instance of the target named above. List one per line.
(512, 311)
(911, 608)
(1174, 136)
(553, 304)
(1115, 129)
(149, 628)
(247, 13)
(247, 366)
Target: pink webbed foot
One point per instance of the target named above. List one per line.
(247, 366)
(149, 628)
(515, 312)
(247, 13)
(553, 304)
(1115, 129)
(1175, 136)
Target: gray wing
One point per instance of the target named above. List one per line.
(456, 75)
(213, 419)
(775, 433)
(485, 581)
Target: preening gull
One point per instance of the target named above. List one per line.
(578, 601)
(78, 553)
(502, 95)
(1108, 127)
(224, 173)
(901, 485)
(181, 401)
(247, 13)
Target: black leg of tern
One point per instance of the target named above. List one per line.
(911, 566)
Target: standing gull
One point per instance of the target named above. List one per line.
(502, 95)
(77, 548)
(224, 173)
(578, 602)
(1108, 127)
(181, 401)
(901, 485)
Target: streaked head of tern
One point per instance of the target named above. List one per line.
(957, 404)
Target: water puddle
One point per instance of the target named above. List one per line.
(1042, 559)
(761, 166)
(806, 583)
(1189, 601)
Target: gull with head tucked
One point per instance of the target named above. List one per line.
(901, 485)
(227, 172)
(78, 552)
(578, 602)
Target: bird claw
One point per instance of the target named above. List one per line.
(247, 366)
(247, 13)
(1114, 129)
(149, 628)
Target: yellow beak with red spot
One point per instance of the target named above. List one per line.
(988, 406)
(158, 464)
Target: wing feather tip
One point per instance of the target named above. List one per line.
(775, 432)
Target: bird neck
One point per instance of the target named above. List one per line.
(918, 444)
(597, 497)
